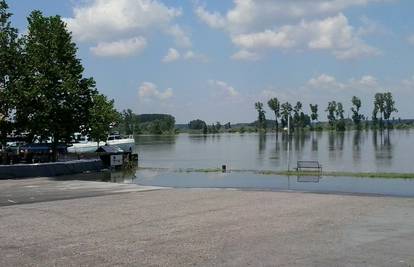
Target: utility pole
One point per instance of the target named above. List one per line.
(288, 163)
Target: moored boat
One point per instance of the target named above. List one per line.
(82, 143)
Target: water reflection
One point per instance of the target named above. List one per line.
(246, 180)
(383, 147)
(308, 179)
(347, 151)
(262, 143)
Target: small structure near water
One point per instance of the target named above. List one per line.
(116, 158)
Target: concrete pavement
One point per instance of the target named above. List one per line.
(209, 227)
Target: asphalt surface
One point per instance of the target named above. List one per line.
(24, 191)
(186, 227)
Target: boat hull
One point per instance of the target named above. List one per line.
(125, 144)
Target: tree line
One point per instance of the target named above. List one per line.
(384, 107)
(132, 123)
(43, 91)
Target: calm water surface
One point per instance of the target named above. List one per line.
(364, 151)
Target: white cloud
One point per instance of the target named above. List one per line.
(368, 81)
(245, 55)
(410, 39)
(224, 88)
(300, 24)
(180, 37)
(325, 81)
(172, 55)
(191, 55)
(248, 15)
(214, 20)
(120, 48)
(370, 27)
(333, 34)
(149, 91)
(111, 21)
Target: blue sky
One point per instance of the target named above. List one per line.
(213, 59)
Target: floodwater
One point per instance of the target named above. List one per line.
(251, 180)
(351, 151)
(167, 160)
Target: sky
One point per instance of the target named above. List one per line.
(213, 59)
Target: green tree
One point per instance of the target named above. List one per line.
(356, 116)
(218, 126)
(331, 110)
(379, 107)
(197, 124)
(389, 107)
(54, 97)
(340, 125)
(130, 122)
(286, 113)
(314, 112)
(297, 110)
(261, 115)
(10, 71)
(102, 116)
(274, 105)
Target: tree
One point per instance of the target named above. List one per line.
(297, 110)
(286, 111)
(340, 125)
(356, 116)
(54, 97)
(274, 105)
(130, 122)
(218, 126)
(314, 112)
(331, 110)
(10, 70)
(261, 115)
(103, 116)
(379, 107)
(340, 111)
(197, 125)
(389, 107)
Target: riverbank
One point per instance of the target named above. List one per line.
(208, 227)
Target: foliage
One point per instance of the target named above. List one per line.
(331, 110)
(314, 112)
(130, 122)
(54, 98)
(384, 104)
(356, 116)
(197, 124)
(389, 104)
(156, 123)
(261, 120)
(274, 105)
(286, 113)
(102, 117)
(10, 70)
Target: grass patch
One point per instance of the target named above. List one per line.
(388, 175)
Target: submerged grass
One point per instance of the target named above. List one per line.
(387, 175)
